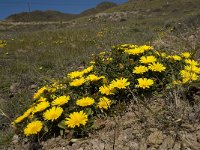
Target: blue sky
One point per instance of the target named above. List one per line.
(8, 7)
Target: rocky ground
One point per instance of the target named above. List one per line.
(153, 124)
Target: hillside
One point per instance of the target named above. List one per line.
(52, 15)
(36, 54)
(49, 15)
(99, 8)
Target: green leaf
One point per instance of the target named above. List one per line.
(62, 124)
(88, 111)
(46, 128)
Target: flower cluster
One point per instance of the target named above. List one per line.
(2, 43)
(74, 102)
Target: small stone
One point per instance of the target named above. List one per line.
(15, 139)
(14, 87)
(33, 86)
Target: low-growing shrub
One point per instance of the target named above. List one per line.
(125, 73)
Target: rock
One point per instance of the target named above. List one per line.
(15, 139)
(14, 87)
(33, 86)
(155, 137)
(101, 15)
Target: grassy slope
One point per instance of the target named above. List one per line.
(52, 50)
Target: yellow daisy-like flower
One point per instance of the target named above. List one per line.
(76, 119)
(186, 55)
(93, 77)
(107, 90)
(134, 51)
(86, 101)
(177, 82)
(176, 57)
(60, 100)
(41, 106)
(88, 69)
(140, 69)
(42, 99)
(53, 113)
(33, 128)
(75, 74)
(19, 119)
(28, 112)
(163, 55)
(121, 83)
(157, 67)
(138, 50)
(25, 115)
(147, 59)
(77, 82)
(104, 103)
(39, 92)
(92, 62)
(191, 62)
(145, 83)
(188, 76)
(191, 68)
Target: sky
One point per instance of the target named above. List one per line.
(8, 7)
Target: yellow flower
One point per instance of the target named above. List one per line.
(104, 103)
(176, 57)
(42, 99)
(157, 67)
(188, 76)
(140, 69)
(86, 101)
(77, 82)
(186, 54)
(191, 62)
(107, 90)
(134, 51)
(93, 77)
(75, 74)
(33, 128)
(164, 55)
(76, 119)
(53, 113)
(102, 53)
(60, 100)
(19, 119)
(194, 69)
(92, 62)
(41, 106)
(88, 69)
(177, 82)
(147, 59)
(138, 50)
(28, 112)
(39, 92)
(2, 43)
(119, 83)
(145, 83)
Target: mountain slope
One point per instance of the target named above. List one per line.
(52, 15)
